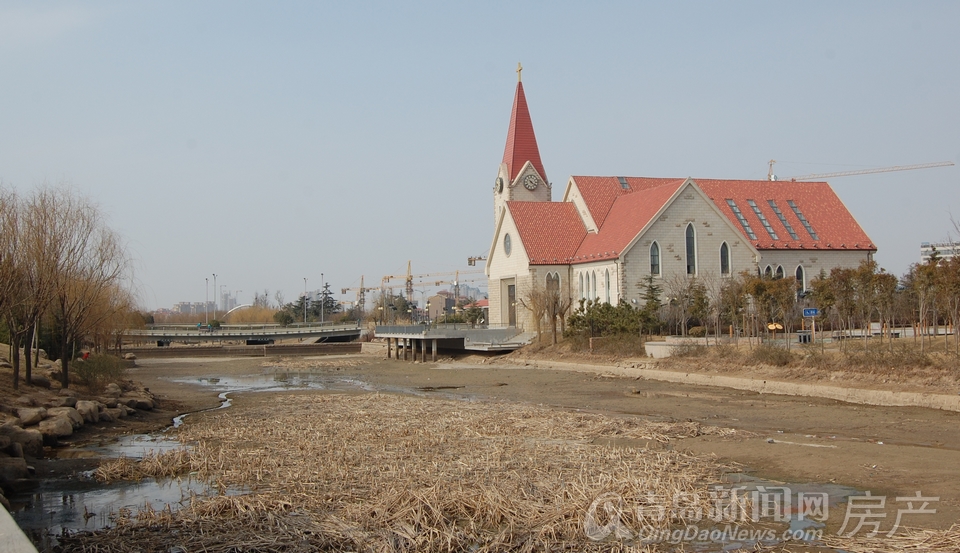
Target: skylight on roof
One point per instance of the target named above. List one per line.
(763, 220)
(623, 183)
(803, 220)
(786, 224)
(742, 219)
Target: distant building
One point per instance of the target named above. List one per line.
(193, 308)
(439, 304)
(945, 250)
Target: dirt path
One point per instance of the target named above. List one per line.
(893, 451)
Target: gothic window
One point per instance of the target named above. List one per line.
(691, 250)
(800, 278)
(779, 271)
(724, 259)
(606, 285)
(655, 259)
(553, 283)
(581, 287)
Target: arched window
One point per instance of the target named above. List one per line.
(724, 259)
(606, 285)
(779, 271)
(800, 281)
(593, 286)
(768, 272)
(581, 286)
(654, 259)
(691, 250)
(553, 283)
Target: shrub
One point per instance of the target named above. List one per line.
(767, 354)
(689, 350)
(698, 331)
(97, 370)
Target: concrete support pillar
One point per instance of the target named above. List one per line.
(406, 347)
(396, 348)
(388, 347)
(434, 354)
(423, 351)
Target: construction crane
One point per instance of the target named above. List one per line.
(409, 277)
(361, 293)
(771, 176)
(472, 261)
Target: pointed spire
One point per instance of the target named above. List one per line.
(521, 141)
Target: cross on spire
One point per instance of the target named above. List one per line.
(519, 69)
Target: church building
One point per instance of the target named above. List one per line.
(605, 235)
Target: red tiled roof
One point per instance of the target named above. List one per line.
(625, 219)
(599, 193)
(550, 231)
(821, 207)
(521, 141)
(480, 303)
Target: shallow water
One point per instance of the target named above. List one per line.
(70, 505)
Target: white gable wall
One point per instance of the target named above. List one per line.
(711, 227)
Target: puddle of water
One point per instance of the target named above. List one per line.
(60, 506)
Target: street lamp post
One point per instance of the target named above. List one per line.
(304, 300)
(206, 302)
(323, 296)
(214, 296)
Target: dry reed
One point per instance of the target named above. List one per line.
(390, 473)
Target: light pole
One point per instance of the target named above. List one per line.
(222, 299)
(304, 300)
(206, 302)
(214, 294)
(323, 296)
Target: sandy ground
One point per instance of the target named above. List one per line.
(890, 451)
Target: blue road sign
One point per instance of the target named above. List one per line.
(810, 311)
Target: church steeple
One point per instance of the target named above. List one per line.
(521, 141)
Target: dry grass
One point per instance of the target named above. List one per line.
(389, 473)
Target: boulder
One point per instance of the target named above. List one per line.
(56, 427)
(7, 419)
(129, 357)
(65, 401)
(26, 401)
(67, 392)
(144, 404)
(12, 469)
(89, 410)
(130, 402)
(13, 449)
(109, 402)
(128, 410)
(111, 414)
(75, 418)
(40, 380)
(112, 390)
(30, 439)
(30, 416)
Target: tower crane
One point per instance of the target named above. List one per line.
(409, 277)
(472, 261)
(361, 293)
(816, 176)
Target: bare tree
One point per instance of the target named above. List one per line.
(536, 301)
(11, 272)
(91, 264)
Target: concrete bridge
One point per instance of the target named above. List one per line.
(258, 334)
(412, 341)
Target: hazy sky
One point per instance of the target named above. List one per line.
(268, 142)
